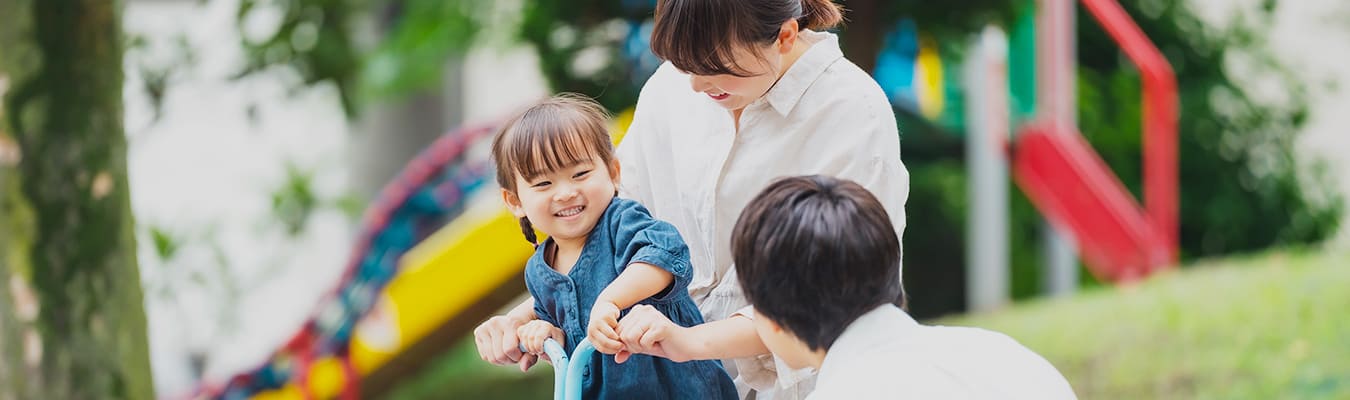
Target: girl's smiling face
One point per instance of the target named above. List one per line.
(566, 203)
(556, 167)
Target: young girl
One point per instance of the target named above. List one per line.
(603, 254)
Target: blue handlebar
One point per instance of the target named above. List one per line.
(567, 371)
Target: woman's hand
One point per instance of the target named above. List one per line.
(647, 331)
(533, 334)
(603, 328)
(498, 343)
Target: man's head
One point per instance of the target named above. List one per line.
(813, 253)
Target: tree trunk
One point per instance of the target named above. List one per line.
(72, 322)
(862, 32)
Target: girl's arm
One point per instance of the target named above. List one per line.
(637, 281)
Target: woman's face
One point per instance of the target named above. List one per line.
(735, 92)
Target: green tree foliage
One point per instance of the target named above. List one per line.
(578, 41)
(402, 46)
(1243, 188)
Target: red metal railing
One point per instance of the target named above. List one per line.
(1072, 186)
(1159, 118)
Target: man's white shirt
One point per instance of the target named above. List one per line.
(885, 354)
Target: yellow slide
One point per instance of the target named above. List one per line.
(448, 284)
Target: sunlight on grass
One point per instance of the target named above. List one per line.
(1271, 326)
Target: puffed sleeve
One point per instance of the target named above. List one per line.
(639, 237)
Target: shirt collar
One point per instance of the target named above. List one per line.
(789, 89)
(881, 326)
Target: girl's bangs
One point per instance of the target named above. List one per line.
(543, 149)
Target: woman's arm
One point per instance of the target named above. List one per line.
(496, 338)
(523, 311)
(734, 337)
(637, 281)
(646, 331)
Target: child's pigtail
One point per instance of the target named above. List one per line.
(528, 230)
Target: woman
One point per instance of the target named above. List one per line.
(752, 90)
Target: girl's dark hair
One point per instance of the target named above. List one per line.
(700, 36)
(814, 253)
(557, 133)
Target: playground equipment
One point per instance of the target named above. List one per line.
(1072, 186)
(567, 371)
(1057, 169)
(324, 358)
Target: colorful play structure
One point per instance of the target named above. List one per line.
(435, 256)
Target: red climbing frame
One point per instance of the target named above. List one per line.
(1071, 185)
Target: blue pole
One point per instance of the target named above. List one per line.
(558, 356)
(576, 367)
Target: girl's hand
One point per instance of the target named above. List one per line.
(533, 334)
(647, 331)
(603, 328)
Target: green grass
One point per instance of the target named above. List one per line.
(1262, 327)
(1265, 327)
(460, 374)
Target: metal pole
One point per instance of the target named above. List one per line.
(1057, 103)
(987, 111)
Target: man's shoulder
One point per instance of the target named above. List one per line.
(980, 341)
(995, 360)
(886, 373)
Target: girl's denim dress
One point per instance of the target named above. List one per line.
(625, 234)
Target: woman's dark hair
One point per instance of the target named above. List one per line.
(557, 133)
(701, 36)
(814, 253)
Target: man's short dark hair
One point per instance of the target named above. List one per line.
(814, 253)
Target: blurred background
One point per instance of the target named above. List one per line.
(240, 198)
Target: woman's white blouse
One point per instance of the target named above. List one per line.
(684, 159)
